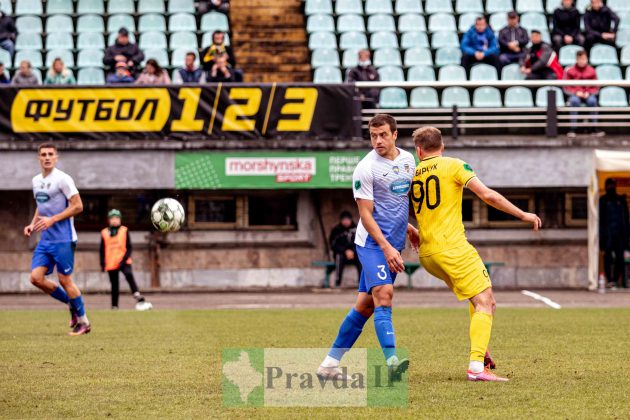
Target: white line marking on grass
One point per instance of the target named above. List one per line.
(543, 299)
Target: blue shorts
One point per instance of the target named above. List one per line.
(50, 254)
(375, 269)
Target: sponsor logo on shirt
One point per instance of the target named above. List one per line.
(42, 197)
(400, 186)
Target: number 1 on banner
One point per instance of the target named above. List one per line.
(187, 121)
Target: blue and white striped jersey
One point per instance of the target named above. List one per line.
(52, 195)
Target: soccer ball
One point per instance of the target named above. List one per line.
(167, 215)
(144, 306)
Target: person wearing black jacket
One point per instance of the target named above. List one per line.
(566, 26)
(614, 232)
(124, 51)
(217, 48)
(512, 40)
(600, 25)
(365, 72)
(8, 33)
(342, 244)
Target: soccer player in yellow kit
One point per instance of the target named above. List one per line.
(436, 193)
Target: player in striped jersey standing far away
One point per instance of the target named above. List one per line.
(381, 184)
(436, 193)
(58, 201)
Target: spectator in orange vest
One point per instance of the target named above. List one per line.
(115, 254)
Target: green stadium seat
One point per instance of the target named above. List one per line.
(152, 40)
(452, 73)
(28, 41)
(551, 5)
(391, 74)
(424, 97)
(350, 58)
(321, 58)
(455, 96)
(89, 23)
(32, 24)
(608, 72)
(448, 55)
(497, 21)
(566, 56)
(90, 76)
(618, 5)
(411, 23)
(541, 96)
(623, 38)
(181, 6)
(28, 7)
(469, 6)
(150, 6)
(408, 6)
(183, 39)
(418, 57)
(327, 75)
(7, 8)
(115, 22)
(534, 20)
(182, 22)
(518, 97)
(466, 21)
(320, 23)
(628, 73)
(583, 4)
(379, 23)
(603, 54)
(625, 56)
(152, 22)
(444, 39)
(347, 40)
(624, 20)
(313, 7)
(215, 21)
(120, 7)
(350, 23)
(178, 56)
(86, 7)
(442, 22)
(487, 97)
(35, 57)
(414, 40)
(387, 57)
(63, 23)
(344, 7)
(512, 72)
(421, 74)
(111, 39)
(90, 58)
(159, 55)
(6, 59)
(206, 39)
(499, 6)
(483, 72)
(59, 7)
(325, 40)
(61, 41)
(393, 97)
(524, 6)
(383, 40)
(66, 56)
(373, 7)
(613, 96)
(438, 6)
(88, 40)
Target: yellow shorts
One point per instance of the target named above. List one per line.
(461, 269)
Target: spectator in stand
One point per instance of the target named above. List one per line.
(513, 39)
(217, 47)
(582, 95)
(614, 233)
(122, 74)
(479, 45)
(566, 26)
(342, 244)
(123, 51)
(222, 6)
(4, 75)
(365, 72)
(190, 73)
(153, 74)
(7, 33)
(59, 74)
(221, 71)
(24, 75)
(600, 25)
(540, 61)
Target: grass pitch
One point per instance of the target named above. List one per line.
(567, 363)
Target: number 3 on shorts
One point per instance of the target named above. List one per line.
(381, 272)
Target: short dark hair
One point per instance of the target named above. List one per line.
(383, 119)
(191, 53)
(427, 138)
(580, 53)
(479, 19)
(47, 145)
(536, 31)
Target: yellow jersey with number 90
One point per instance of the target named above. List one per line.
(436, 193)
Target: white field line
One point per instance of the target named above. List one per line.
(543, 299)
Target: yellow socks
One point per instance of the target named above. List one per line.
(480, 330)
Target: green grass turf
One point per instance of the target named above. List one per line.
(571, 363)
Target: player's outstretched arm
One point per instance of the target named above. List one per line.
(496, 200)
(393, 257)
(75, 206)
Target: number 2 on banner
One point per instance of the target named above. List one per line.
(237, 116)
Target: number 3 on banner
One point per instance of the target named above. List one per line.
(304, 110)
(234, 117)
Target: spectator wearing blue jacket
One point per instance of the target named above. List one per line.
(479, 45)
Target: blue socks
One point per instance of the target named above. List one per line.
(349, 331)
(77, 305)
(60, 295)
(385, 330)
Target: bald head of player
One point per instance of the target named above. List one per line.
(47, 153)
(428, 142)
(383, 135)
